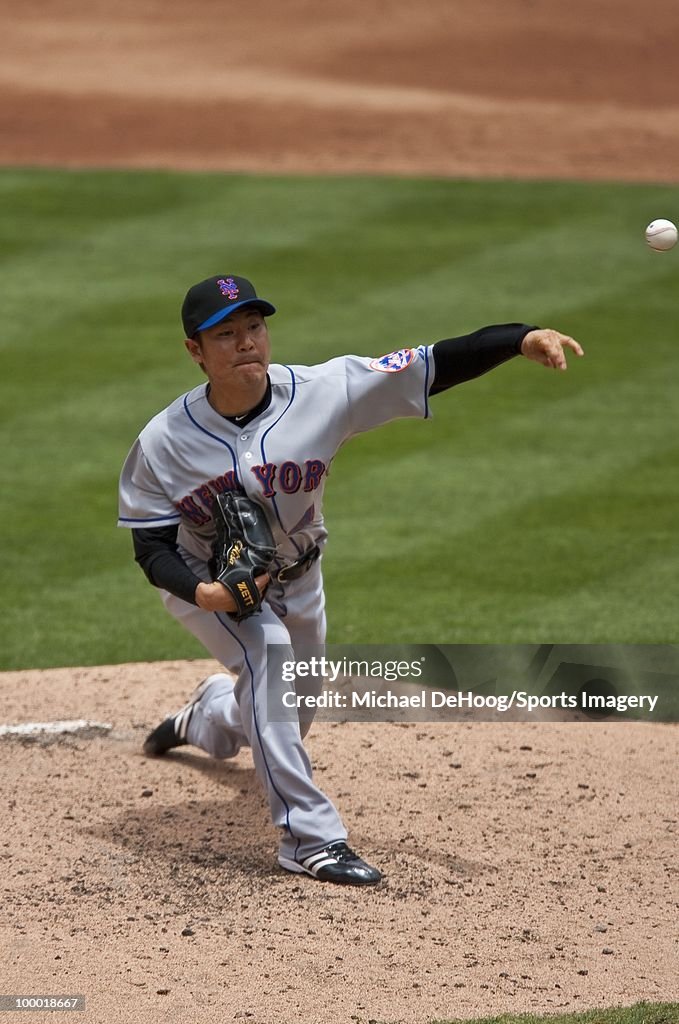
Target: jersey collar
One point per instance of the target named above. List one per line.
(257, 410)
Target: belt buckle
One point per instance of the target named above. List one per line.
(300, 567)
(282, 574)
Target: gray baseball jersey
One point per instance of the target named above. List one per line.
(189, 451)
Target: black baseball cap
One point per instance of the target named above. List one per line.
(213, 300)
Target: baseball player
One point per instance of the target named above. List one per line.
(270, 431)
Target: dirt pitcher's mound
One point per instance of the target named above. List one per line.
(528, 866)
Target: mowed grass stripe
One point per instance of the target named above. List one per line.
(640, 1013)
(523, 511)
(101, 259)
(123, 246)
(546, 553)
(490, 472)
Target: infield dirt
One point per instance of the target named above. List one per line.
(528, 867)
(509, 88)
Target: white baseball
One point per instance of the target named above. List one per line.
(661, 235)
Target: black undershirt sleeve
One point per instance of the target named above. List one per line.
(156, 552)
(466, 357)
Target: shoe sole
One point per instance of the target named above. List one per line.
(294, 867)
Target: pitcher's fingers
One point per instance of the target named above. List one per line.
(568, 342)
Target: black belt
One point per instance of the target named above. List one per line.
(298, 568)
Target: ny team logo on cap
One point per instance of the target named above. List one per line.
(212, 300)
(394, 362)
(228, 287)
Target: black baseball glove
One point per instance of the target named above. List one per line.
(244, 548)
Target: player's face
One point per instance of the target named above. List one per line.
(236, 351)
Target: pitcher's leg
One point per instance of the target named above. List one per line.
(213, 721)
(306, 816)
(215, 724)
(306, 624)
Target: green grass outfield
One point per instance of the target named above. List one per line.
(534, 507)
(642, 1013)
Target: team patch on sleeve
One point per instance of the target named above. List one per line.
(394, 362)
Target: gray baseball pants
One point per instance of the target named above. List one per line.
(229, 717)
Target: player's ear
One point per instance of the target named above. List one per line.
(194, 348)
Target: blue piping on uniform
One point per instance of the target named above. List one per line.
(153, 519)
(273, 500)
(259, 737)
(215, 437)
(426, 383)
